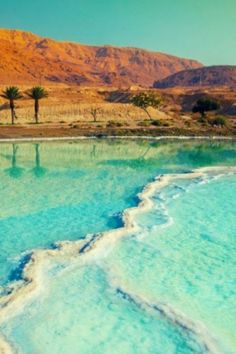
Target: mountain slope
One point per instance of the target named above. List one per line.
(224, 75)
(28, 58)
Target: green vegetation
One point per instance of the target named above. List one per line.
(37, 93)
(219, 121)
(12, 93)
(144, 123)
(156, 123)
(153, 122)
(144, 100)
(113, 124)
(119, 118)
(204, 105)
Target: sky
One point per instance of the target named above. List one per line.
(199, 29)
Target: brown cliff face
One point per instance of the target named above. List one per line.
(224, 75)
(27, 58)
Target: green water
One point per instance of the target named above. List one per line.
(182, 257)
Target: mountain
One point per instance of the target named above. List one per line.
(224, 75)
(28, 58)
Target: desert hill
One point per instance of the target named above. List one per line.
(30, 59)
(224, 75)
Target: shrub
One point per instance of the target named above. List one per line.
(204, 105)
(112, 124)
(202, 120)
(219, 121)
(156, 123)
(144, 123)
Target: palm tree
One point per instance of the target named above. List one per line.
(37, 93)
(12, 93)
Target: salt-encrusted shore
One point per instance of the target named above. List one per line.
(17, 294)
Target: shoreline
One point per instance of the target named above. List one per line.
(20, 292)
(117, 137)
(66, 132)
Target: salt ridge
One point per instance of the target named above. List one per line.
(18, 293)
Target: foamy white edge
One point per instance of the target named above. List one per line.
(20, 292)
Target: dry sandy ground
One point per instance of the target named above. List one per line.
(45, 131)
(68, 112)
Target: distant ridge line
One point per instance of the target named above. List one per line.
(216, 75)
(27, 58)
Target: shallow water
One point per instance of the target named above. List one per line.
(190, 262)
(182, 256)
(84, 314)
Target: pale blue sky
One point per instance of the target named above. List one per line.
(199, 29)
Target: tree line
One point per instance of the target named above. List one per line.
(12, 94)
(142, 100)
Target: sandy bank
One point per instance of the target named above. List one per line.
(77, 130)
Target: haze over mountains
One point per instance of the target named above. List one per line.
(30, 59)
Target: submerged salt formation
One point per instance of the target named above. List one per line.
(129, 276)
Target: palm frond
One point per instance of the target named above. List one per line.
(11, 93)
(37, 93)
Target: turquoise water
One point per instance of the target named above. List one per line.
(189, 263)
(182, 257)
(89, 316)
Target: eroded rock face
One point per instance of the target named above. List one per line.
(28, 58)
(224, 75)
